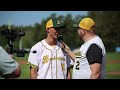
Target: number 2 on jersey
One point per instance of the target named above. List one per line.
(77, 65)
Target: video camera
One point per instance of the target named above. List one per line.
(11, 35)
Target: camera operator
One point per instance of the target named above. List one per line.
(9, 68)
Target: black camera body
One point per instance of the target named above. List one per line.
(11, 35)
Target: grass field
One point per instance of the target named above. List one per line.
(25, 70)
(113, 56)
(115, 67)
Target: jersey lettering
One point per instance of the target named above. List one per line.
(77, 65)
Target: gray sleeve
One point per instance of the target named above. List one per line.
(7, 64)
(68, 60)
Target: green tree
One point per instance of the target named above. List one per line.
(107, 26)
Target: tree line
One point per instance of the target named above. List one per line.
(107, 27)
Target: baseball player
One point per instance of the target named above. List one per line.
(90, 61)
(46, 59)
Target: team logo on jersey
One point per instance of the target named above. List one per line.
(45, 59)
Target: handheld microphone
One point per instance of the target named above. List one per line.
(60, 38)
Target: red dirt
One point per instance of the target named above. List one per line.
(113, 62)
(108, 62)
(22, 62)
(114, 73)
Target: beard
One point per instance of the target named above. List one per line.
(81, 35)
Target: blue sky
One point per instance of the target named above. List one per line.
(31, 17)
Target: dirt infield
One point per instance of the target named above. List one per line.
(22, 62)
(113, 62)
(108, 62)
(113, 73)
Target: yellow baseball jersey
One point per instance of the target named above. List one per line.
(51, 62)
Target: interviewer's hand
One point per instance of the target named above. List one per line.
(67, 50)
(64, 47)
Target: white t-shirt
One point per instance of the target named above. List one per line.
(81, 69)
(51, 62)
